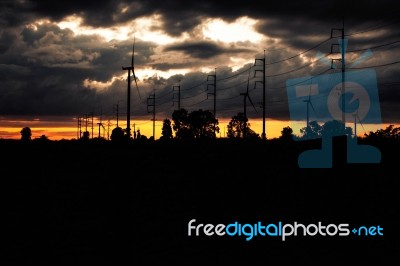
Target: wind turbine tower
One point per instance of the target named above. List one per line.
(100, 123)
(309, 103)
(128, 105)
(245, 97)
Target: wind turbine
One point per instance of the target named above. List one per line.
(101, 124)
(128, 111)
(245, 97)
(309, 103)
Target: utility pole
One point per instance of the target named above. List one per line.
(262, 61)
(178, 95)
(86, 121)
(99, 128)
(79, 133)
(91, 122)
(343, 52)
(355, 125)
(151, 102)
(244, 114)
(342, 46)
(116, 110)
(108, 129)
(213, 80)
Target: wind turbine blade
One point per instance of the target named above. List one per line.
(137, 88)
(248, 96)
(133, 52)
(312, 106)
(359, 121)
(248, 81)
(367, 54)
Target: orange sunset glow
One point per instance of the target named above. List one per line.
(57, 130)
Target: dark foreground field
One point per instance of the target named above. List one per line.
(73, 203)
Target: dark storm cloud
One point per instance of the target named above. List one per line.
(203, 49)
(35, 93)
(168, 66)
(182, 15)
(42, 70)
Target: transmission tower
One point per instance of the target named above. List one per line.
(176, 96)
(85, 117)
(79, 130)
(108, 129)
(261, 62)
(151, 102)
(116, 111)
(342, 47)
(213, 83)
(91, 122)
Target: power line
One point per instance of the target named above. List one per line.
(374, 28)
(247, 69)
(195, 86)
(376, 66)
(299, 54)
(196, 103)
(236, 85)
(294, 70)
(188, 97)
(274, 75)
(292, 57)
(373, 47)
(235, 75)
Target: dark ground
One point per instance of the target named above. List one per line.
(72, 203)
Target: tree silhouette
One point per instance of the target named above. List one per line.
(166, 129)
(197, 124)
(181, 123)
(141, 137)
(239, 127)
(86, 135)
(26, 134)
(286, 134)
(117, 134)
(335, 128)
(390, 132)
(44, 138)
(201, 124)
(330, 128)
(313, 131)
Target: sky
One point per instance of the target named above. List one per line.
(62, 59)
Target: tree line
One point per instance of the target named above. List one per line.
(201, 124)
